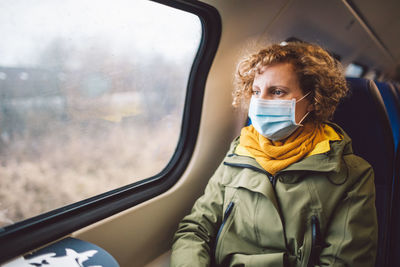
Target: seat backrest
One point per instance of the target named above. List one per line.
(392, 104)
(391, 98)
(364, 118)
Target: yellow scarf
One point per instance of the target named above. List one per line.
(275, 156)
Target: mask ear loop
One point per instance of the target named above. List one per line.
(303, 119)
(304, 96)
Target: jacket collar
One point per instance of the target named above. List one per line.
(330, 162)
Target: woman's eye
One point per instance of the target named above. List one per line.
(255, 92)
(278, 92)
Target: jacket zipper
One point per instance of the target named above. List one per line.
(271, 178)
(316, 242)
(227, 212)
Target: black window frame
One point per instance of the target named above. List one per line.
(22, 237)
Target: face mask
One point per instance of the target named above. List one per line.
(274, 119)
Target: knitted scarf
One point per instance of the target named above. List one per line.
(274, 156)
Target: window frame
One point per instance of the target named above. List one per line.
(21, 237)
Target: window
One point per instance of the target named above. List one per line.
(354, 70)
(91, 97)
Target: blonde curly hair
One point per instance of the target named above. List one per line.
(316, 70)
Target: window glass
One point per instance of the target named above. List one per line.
(354, 70)
(91, 97)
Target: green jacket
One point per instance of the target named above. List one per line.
(319, 211)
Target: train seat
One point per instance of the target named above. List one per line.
(391, 99)
(392, 103)
(364, 117)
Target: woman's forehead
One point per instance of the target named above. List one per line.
(276, 74)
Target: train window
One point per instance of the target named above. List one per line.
(354, 70)
(91, 97)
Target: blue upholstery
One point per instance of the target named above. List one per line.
(391, 98)
(364, 117)
(392, 103)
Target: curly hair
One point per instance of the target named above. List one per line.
(316, 70)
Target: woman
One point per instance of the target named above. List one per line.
(290, 191)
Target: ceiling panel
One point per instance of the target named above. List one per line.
(384, 19)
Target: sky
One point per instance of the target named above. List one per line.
(27, 27)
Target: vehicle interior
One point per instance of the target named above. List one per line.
(135, 223)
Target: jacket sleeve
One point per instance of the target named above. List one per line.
(351, 238)
(193, 242)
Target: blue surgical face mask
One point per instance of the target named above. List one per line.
(274, 119)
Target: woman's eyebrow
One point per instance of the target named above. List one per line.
(278, 86)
